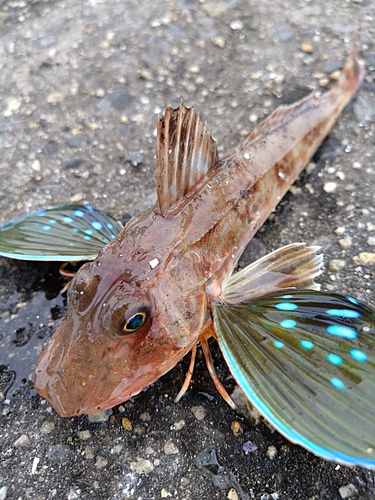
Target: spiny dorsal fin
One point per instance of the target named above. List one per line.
(185, 154)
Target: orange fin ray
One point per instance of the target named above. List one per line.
(189, 374)
(211, 370)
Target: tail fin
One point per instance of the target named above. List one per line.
(353, 71)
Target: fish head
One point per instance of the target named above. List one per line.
(127, 324)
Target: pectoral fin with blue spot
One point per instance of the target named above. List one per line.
(306, 360)
(64, 233)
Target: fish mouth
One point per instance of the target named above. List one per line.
(65, 402)
(54, 381)
(68, 403)
(69, 387)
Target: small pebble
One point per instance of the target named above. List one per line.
(14, 104)
(347, 491)
(270, 496)
(310, 167)
(214, 8)
(330, 187)
(84, 435)
(219, 41)
(170, 448)
(236, 428)
(271, 452)
(283, 34)
(335, 75)
(309, 188)
(193, 69)
(45, 41)
(249, 447)
(145, 74)
(307, 48)
(98, 92)
(98, 418)
(295, 190)
(23, 440)
(117, 449)
(75, 199)
(345, 242)
(101, 462)
(365, 258)
(55, 98)
(236, 25)
(244, 406)
(336, 264)
(59, 453)
(141, 466)
(3, 492)
(165, 493)
(324, 82)
(199, 412)
(371, 241)
(35, 465)
(77, 141)
(232, 494)
(47, 427)
(126, 424)
(89, 453)
(36, 166)
(177, 426)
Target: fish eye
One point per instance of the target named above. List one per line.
(135, 319)
(135, 322)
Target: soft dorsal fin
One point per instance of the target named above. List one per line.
(185, 154)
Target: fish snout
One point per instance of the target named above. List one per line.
(58, 380)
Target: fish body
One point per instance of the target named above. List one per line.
(148, 297)
(305, 358)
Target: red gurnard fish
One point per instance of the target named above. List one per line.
(158, 288)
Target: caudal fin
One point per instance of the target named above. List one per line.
(353, 71)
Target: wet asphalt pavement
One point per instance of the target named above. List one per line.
(81, 86)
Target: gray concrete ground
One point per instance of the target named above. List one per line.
(81, 84)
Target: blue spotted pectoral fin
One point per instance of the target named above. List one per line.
(64, 233)
(306, 360)
(292, 266)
